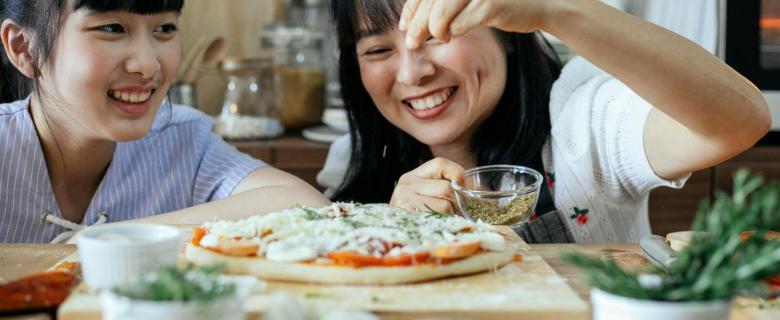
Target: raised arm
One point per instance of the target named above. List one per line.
(705, 112)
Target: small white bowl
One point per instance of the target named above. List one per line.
(113, 255)
(608, 306)
(115, 307)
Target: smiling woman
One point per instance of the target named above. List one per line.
(453, 84)
(90, 139)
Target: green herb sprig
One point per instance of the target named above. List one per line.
(174, 284)
(718, 264)
(309, 213)
(434, 213)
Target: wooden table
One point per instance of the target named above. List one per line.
(18, 260)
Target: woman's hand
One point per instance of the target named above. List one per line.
(444, 19)
(428, 186)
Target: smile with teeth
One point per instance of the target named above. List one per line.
(431, 101)
(130, 97)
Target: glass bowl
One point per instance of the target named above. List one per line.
(498, 194)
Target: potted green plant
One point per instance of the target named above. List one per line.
(729, 255)
(174, 293)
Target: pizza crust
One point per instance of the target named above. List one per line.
(380, 275)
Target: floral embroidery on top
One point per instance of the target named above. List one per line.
(550, 179)
(580, 214)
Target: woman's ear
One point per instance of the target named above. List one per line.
(16, 41)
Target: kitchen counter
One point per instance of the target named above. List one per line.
(18, 260)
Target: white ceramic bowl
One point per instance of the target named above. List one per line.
(336, 118)
(607, 306)
(112, 255)
(121, 308)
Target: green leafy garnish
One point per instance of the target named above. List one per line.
(434, 213)
(354, 224)
(316, 295)
(174, 284)
(720, 262)
(414, 235)
(309, 214)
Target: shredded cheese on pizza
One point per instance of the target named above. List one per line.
(349, 233)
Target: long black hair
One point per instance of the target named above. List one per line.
(44, 18)
(513, 134)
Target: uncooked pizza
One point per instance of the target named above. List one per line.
(348, 243)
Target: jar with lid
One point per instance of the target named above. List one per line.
(250, 110)
(298, 73)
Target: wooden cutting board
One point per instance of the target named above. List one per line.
(529, 289)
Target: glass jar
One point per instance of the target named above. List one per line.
(298, 73)
(250, 110)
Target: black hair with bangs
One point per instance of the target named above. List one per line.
(132, 6)
(513, 134)
(44, 18)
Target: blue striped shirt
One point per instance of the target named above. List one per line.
(178, 164)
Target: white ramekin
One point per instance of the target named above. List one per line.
(121, 308)
(109, 260)
(608, 306)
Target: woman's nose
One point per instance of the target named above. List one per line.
(414, 67)
(143, 59)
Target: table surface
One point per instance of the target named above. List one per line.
(18, 260)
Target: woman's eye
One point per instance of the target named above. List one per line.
(376, 52)
(167, 28)
(111, 28)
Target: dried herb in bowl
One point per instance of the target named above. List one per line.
(498, 194)
(493, 211)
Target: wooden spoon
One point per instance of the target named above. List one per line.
(205, 59)
(191, 54)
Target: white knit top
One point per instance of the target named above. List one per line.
(602, 178)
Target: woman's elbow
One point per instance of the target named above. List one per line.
(762, 122)
(756, 126)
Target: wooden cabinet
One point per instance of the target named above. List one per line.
(673, 210)
(764, 160)
(291, 153)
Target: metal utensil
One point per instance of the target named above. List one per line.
(657, 251)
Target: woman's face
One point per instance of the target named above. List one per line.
(110, 72)
(439, 93)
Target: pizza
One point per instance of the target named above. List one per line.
(41, 291)
(349, 243)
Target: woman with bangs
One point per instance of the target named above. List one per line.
(91, 141)
(451, 84)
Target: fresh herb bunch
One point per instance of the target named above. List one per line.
(174, 284)
(721, 260)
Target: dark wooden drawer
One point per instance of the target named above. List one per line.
(291, 153)
(673, 209)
